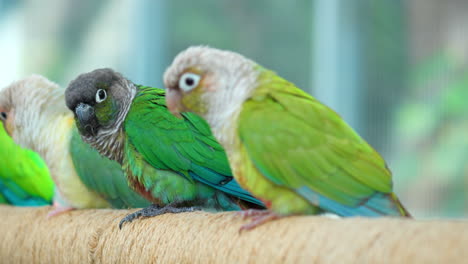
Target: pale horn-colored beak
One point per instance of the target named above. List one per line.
(173, 101)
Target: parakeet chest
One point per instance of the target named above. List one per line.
(243, 169)
(142, 190)
(133, 168)
(158, 186)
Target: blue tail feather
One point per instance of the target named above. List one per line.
(22, 200)
(377, 205)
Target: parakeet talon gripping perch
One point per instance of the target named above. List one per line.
(155, 210)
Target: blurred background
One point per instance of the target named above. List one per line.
(396, 70)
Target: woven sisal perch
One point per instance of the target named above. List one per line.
(92, 236)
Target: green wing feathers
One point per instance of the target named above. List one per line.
(314, 151)
(184, 147)
(178, 142)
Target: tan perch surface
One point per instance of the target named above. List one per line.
(92, 236)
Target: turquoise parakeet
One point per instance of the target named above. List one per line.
(292, 152)
(24, 176)
(175, 163)
(37, 118)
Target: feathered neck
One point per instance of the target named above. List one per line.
(110, 140)
(224, 110)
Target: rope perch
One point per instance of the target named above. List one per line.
(92, 236)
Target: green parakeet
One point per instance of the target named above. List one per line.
(36, 117)
(292, 152)
(24, 176)
(175, 163)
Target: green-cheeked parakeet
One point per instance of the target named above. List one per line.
(24, 176)
(175, 163)
(292, 152)
(37, 118)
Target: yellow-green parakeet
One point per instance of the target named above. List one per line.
(289, 150)
(24, 176)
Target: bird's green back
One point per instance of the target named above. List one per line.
(184, 147)
(24, 176)
(298, 143)
(102, 175)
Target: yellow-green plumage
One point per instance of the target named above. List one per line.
(297, 154)
(24, 176)
(289, 150)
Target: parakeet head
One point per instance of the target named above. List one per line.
(24, 108)
(210, 82)
(100, 100)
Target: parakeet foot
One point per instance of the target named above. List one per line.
(260, 218)
(59, 209)
(155, 210)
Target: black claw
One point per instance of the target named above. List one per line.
(129, 218)
(155, 210)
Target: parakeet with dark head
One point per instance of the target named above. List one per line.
(175, 163)
(291, 151)
(36, 117)
(24, 176)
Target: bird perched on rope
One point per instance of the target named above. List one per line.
(292, 152)
(36, 117)
(175, 163)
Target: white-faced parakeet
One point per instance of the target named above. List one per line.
(24, 176)
(292, 152)
(175, 163)
(36, 117)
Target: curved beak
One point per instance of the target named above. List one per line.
(86, 117)
(173, 101)
(84, 113)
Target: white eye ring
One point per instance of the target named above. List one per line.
(101, 95)
(188, 81)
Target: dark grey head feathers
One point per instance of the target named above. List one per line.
(100, 101)
(83, 89)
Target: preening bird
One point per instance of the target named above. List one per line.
(24, 176)
(175, 163)
(37, 118)
(292, 152)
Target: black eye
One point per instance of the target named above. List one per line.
(188, 81)
(3, 116)
(101, 95)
